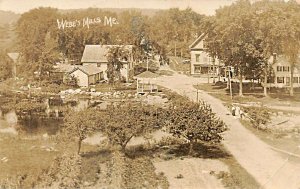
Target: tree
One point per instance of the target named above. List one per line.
(5, 66)
(126, 121)
(268, 32)
(233, 40)
(115, 56)
(291, 38)
(32, 29)
(194, 122)
(80, 124)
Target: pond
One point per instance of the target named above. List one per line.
(48, 122)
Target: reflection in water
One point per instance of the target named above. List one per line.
(48, 122)
(11, 118)
(40, 126)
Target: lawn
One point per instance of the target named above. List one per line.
(177, 65)
(27, 157)
(276, 97)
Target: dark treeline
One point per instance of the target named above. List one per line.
(40, 38)
(245, 35)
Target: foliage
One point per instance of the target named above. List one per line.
(63, 173)
(175, 28)
(126, 121)
(5, 66)
(170, 140)
(193, 122)
(245, 35)
(124, 172)
(29, 107)
(116, 56)
(70, 80)
(258, 116)
(80, 124)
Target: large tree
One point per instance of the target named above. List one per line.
(291, 38)
(6, 66)
(126, 121)
(194, 122)
(81, 124)
(116, 56)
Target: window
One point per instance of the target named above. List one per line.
(288, 81)
(197, 69)
(279, 68)
(197, 57)
(286, 68)
(98, 64)
(280, 79)
(295, 80)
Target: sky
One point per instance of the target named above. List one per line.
(207, 7)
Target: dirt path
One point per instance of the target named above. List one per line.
(271, 169)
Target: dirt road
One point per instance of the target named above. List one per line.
(271, 169)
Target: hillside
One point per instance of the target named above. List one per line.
(146, 12)
(7, 17)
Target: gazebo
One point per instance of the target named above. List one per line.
(146, 82)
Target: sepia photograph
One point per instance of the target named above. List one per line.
(149, 94)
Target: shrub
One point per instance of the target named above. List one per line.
(63, 173)
(194, 122)
(258, 116)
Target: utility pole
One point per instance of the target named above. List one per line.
(228, 70)
(197, 93)
(147, 63)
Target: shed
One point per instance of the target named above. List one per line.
(87, 75)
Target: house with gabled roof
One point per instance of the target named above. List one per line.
(281, 68)
(96, 56)
(201, 62)
(86, 75)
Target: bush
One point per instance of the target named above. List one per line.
(258, 116)
(123, 172)
(170, 140)
(63, 173)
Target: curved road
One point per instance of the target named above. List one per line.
(270, 168)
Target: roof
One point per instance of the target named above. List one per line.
(97, 53)
(197, 41)
(63, 68)
(281, 59)
(89, 70)
(14, 56)
(146, 74)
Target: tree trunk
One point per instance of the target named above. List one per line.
(214, 69)
(191, 147)
(266, 78)
(123, 148)
(79, 145)
(291, 80)
(241, 82)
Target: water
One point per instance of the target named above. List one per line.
(48, 122)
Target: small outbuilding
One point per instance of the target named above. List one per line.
(87, 75)
(146, 82)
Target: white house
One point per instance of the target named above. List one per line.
(87, 75)
(282, 72)
(95, 56)
(201, 61)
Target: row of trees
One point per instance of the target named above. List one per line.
(40, 38)
(245, 35)
(191, 121)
